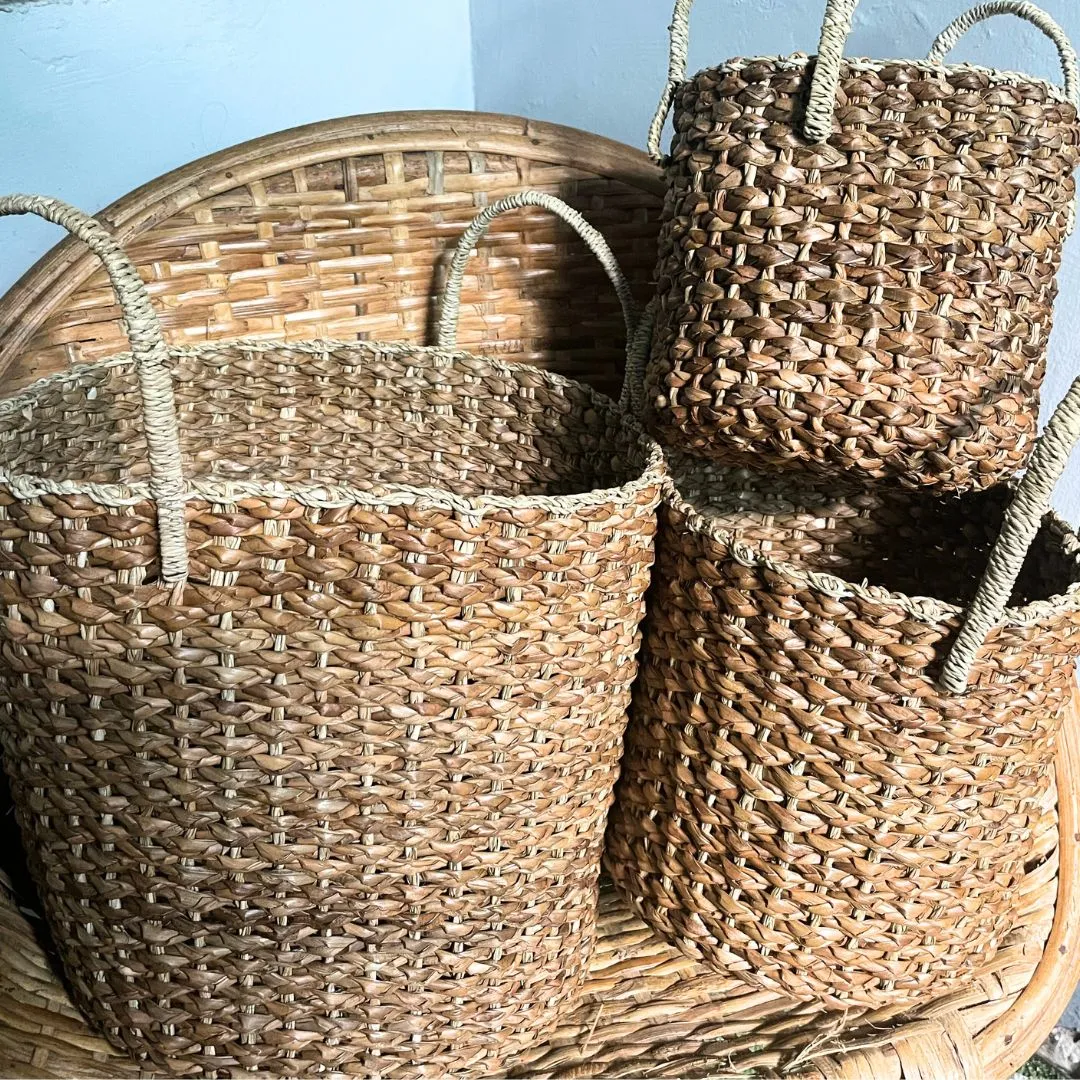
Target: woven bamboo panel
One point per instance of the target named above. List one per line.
(341, 230)
(649, 1012)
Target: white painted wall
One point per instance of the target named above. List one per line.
(100, 96)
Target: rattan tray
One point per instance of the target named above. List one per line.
(339, 230)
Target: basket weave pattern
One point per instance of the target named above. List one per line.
(881, 301)
(799, 801)
(339, 797)
(324, 243)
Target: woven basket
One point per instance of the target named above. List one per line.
(868, 286)
(313, 682)
(800, 800)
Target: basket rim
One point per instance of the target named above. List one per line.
(652, 473)
(798, 60)
(929, 609)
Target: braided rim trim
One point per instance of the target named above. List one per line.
(705, 521)
(653, 469)
(795, 61)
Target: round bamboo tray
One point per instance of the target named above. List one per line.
(341, 230)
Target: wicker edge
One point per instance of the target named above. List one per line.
(62, 270)
(1011, 1039)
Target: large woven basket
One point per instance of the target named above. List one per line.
(841, 732)
(868, 286)
(648, 1011)
(313, 684)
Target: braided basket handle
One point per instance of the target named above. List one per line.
(446, 333)
(1022, 521)
(152, 364)
(678, 46)
(836, 27)
(1022, 9)
(632, 398)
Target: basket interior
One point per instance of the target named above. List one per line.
(910, 542)
(352, 414)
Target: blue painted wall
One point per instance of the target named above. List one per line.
(601, 65)
(99, 96)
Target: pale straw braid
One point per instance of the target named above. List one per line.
(446, 333)
(952, 33)
(679, 31)
(1022, 521)
(151, 357)
(835, 28)
(632, 398)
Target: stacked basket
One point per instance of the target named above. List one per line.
(855, 667)
(313, 678)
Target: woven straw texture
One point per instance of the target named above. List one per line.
(800, 803)
(649, 1011)
(878, 302)
(337, 799)
(342, 230)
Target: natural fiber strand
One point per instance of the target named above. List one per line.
(151, 359)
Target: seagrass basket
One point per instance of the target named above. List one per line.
(841, 730)
(313, 682)
(857, 261)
